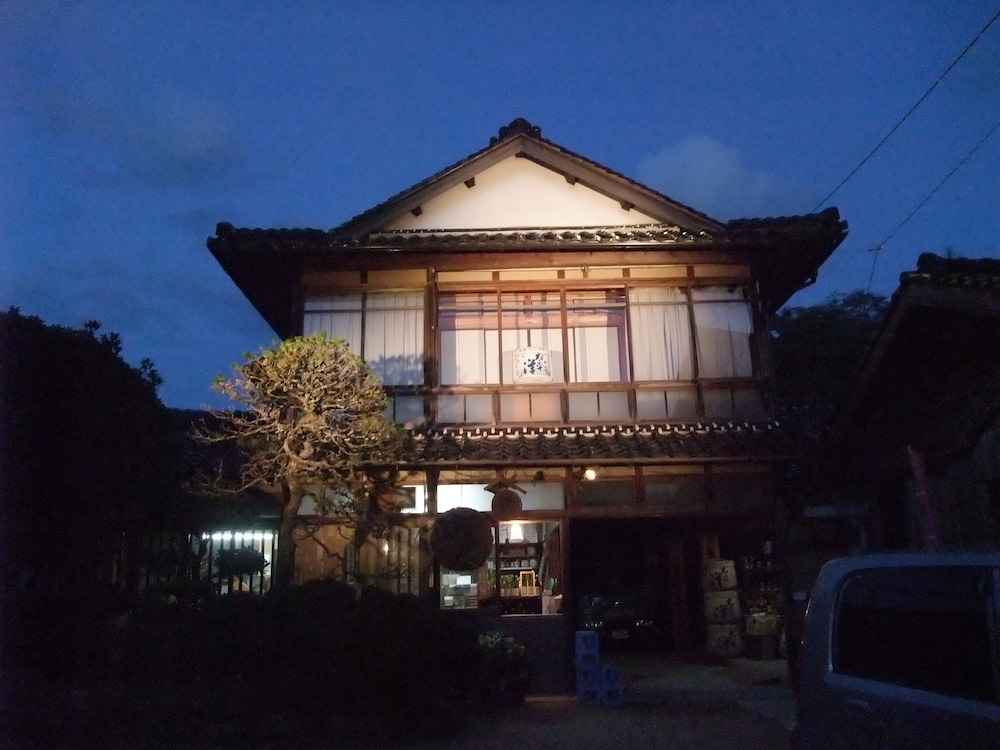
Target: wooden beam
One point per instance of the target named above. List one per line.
(485, 260)
(416, 210)
(471, 182)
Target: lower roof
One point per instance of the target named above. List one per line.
(604, 445)
(931, 378)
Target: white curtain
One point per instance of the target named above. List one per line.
(469, 357)
(338, 317)
(595, 355)
(723, 324)
(393, 331)
(661, 334)
(394, 336)
(469, 351)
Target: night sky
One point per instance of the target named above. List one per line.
(128, 130)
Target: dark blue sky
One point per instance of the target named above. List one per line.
(128, 130)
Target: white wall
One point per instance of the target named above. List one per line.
(518, 193)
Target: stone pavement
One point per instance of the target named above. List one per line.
(760, 686)
(667, 704)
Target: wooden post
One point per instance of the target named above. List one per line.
(710, 547)
(679, 620)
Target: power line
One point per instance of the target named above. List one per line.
(904, 118)
(939, 185)
(877, 248)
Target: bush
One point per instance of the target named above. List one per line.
(319, 655)
(318, 661)
(505, 670)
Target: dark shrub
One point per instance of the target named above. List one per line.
(505, 670)
(315, 661)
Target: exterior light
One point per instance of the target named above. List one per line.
(516, 532)
(590, 474)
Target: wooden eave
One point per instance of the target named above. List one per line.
(506, 259)
(267, 264)
(786, 252)
(931, 377)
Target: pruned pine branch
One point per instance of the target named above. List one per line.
(311, 422)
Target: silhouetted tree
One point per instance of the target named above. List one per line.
(85, 454)
(816, 348)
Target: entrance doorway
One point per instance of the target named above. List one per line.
(634, 581)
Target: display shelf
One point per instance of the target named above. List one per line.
(761, 592)
(518, 587)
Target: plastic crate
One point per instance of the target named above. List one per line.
(611, 696)
(589, 695)
(611, 677)
(589, 676)
(588, 647)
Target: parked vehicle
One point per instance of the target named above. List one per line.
(623, 620)
(902, 651)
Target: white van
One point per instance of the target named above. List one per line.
(902, 651)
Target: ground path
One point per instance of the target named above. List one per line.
(668, 705)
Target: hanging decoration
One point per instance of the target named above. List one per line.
(506, 502)
(532, 364)
(462, 538)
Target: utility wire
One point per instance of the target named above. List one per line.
(930, 195)
(938, 186)
(904, 118)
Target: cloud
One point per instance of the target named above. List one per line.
(702, 173)
(172, 140)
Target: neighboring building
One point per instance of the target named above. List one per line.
(919, 441)
(534, 316)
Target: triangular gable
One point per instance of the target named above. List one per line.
(521, 141)
(521, 193)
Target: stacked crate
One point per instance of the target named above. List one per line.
(596, 683)
(722, 608)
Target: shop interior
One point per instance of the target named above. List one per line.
(522, 576)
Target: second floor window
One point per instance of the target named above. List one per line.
(385, 328)
(584, 337)
(723, 326)
(639, 352)
(482, 334)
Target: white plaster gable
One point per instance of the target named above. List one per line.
(519, 193)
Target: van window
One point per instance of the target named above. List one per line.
(929, 628)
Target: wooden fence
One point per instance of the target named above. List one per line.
(196, 562)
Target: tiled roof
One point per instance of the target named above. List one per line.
(266, 264)
(931, 377)
(531, 237)
(778, 227)
(967, 273)
(786, 229)
(607, 445)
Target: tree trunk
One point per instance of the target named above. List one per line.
(284, 564)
